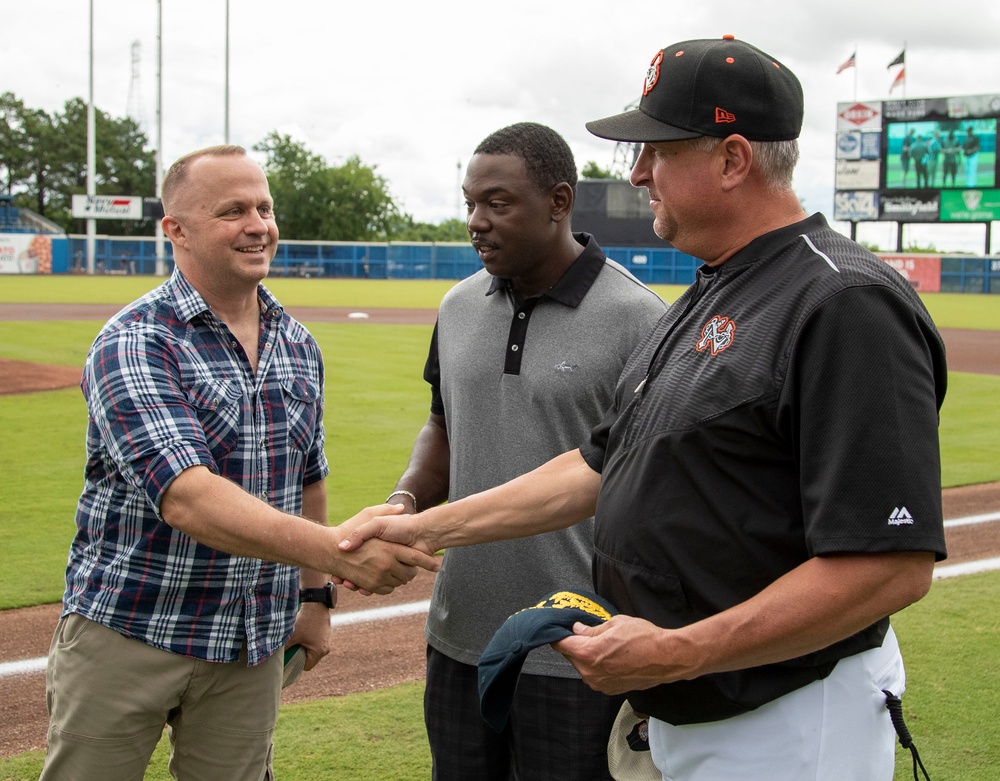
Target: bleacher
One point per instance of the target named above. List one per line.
(14, 219)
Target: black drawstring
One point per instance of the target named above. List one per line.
(895, 707)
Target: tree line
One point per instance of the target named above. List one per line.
(43, 163)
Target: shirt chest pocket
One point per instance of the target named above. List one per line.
(217, 405)
(301, 397)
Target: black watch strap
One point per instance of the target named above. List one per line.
(326, 595)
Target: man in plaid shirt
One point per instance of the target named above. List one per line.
(204, 495)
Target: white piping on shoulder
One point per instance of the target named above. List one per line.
(821, 254)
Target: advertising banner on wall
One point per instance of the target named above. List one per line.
(25, 253)
(921, 271)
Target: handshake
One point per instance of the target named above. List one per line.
(380, 549)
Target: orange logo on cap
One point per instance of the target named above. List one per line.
(652, 73)
(721, 115)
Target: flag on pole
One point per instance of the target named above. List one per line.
(900, 79)
(900, 59)
(850, 63)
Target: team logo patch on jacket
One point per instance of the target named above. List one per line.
(716, 335)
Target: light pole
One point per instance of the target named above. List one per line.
(161, 266)
(91, 153)
(226, 132)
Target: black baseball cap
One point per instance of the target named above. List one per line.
(711, 87)
(549, 620)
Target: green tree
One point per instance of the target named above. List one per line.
(316, 201)
(447, 230)
(593, 171)
(13, 141)
(44, 161)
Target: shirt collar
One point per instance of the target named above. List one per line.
(771, 243)
(189, 303)
(577, 279)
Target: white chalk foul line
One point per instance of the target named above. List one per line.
(970, 519)
(28, 666)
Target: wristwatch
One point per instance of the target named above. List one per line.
(327, 595)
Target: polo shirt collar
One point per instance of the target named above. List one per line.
(577, 279)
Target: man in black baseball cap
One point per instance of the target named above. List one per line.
(767, 480)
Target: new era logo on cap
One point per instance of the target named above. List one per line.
(711, 88)
(721, 115)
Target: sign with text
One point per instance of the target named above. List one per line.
(921, 271)
(911, 207)
(855, 205)
(108, 207)
(970, 205)
(857, 175)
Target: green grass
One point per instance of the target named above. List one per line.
(970, 429)
(60, 289)
(949, 310)
(372, 736)
(376, 403)
(949, 640)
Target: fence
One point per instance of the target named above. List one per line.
(392, 260)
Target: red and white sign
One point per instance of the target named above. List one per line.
(854, 116)
(921, 271)
(113, 207)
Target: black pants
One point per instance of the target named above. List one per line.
(558, 728)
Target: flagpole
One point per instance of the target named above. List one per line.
(904, 70)
(855, 71)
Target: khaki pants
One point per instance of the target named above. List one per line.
(109, 698)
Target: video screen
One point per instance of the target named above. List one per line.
(941, 154)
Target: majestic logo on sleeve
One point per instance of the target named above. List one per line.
(716, 335)
(652, 74)
(900, 517)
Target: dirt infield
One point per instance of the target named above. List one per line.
(376, 654)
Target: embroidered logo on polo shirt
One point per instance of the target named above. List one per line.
(900, 517)
(565, 367)
(716, 335)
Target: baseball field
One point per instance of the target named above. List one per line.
(359, 714)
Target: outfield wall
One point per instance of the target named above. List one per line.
(38, 254)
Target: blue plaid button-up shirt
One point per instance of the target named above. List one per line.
(168, 387)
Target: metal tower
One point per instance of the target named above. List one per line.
(134, 108)
(626, 153)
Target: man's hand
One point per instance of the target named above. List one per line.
(403, 530)
(312, 632)
(620, 655)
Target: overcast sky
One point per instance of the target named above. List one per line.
(411, 88)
